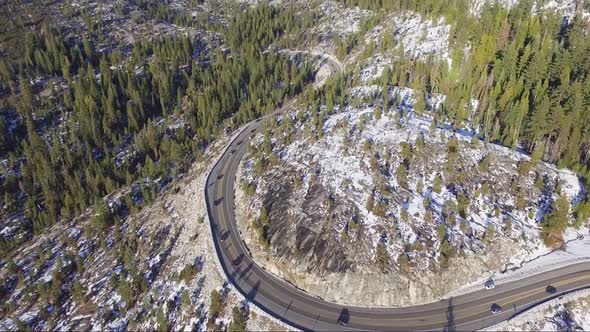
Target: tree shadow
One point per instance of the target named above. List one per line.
(252, 293)
(238, 260)
(450, 317)
(246, 270)
(155, 269)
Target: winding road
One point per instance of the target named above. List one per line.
(304, 311)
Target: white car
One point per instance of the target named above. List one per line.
(489, 284)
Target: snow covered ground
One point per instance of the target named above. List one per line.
(567, 7)
(477, 5)
(417, 36)
(412, 36)
(568, 313)
(338, 169)
(339, 21)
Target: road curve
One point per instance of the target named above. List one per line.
(301, 310)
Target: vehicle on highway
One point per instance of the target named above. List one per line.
(343, 318)
(238, 260)
(551, 289)
(496, 309)
(489, 284)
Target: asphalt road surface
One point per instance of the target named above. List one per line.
(301, 310)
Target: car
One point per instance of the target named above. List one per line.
(343, 317)
(551, 289)
(238, 260)
(489, 284)
(496, 309)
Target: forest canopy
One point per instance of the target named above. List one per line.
(100, 129)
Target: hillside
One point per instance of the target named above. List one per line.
(418, 163)
(389, 194)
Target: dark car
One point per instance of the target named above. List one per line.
(496, 309)
(343, 318)
(550, 289)
(238, 260)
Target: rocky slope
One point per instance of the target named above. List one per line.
(388, 196)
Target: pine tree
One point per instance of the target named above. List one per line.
(401, 175)
(382, 258)
(419, 104)
(555, 223)
(238, 323)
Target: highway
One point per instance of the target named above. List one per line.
(304, 311)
